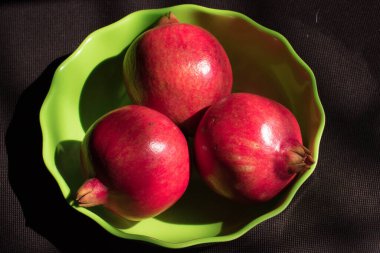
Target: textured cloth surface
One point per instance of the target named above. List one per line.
(336, 210)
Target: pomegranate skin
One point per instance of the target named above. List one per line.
(249, 148)
(137, 162)
(179, 70)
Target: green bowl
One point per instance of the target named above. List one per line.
(89, 83)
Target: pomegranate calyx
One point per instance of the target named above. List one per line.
(92, 193)
(167, 19)
(299, 159)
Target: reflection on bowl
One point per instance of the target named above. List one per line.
(90, 83)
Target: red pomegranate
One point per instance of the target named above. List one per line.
(249, 148)
(179, 70)
(137, 162)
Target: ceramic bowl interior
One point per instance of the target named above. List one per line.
(89, 83)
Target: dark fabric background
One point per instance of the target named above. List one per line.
(336, 210)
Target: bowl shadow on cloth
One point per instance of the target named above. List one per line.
(45, 209)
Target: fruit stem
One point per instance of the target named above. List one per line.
(167, 19)
(299, 159)
(92, 193)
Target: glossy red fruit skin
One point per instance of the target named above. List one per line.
(142, 159)
(243, 147)
(179, 70)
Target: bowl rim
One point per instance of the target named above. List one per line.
(205, 240)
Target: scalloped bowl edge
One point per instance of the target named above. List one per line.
(206, 240)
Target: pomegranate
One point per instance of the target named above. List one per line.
(136, 161)
(249, 148)
(177, 69)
